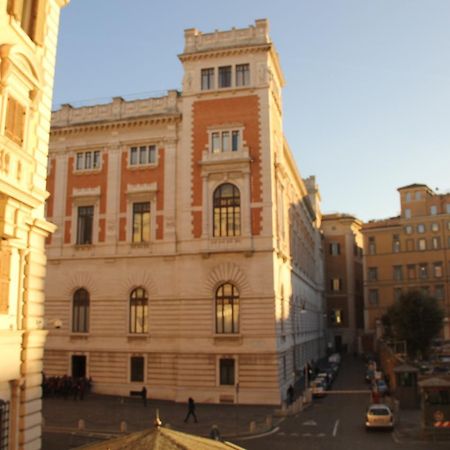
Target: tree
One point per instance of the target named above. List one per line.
(415, 318)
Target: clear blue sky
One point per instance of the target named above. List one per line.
(367, 96)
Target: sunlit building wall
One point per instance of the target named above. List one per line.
(188, 255)
(28, 36)
(344, 281)
(410, 251)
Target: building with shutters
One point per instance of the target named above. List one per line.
(188, 256)
(28, 36)
(410, 251)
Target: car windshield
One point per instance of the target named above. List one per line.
(379, 411)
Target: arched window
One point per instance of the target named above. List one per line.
(80, 311)
(226, 211)
(138, 311)
(227, 309)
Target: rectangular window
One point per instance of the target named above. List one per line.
(435, 242)
(408, 229)
(398, 273)
(434, 226)
(15, 121)
(225, 141)
(421, 244)
(423, 271)
(409, 245)
(336, 284)
(372, 274)
(242, 74)
(372, 246)
(225, 76)
(396, 243)
(447, 208)
(137, 369)
(336, 317)
(437, 270)
(411, 271)
(335, 248)
(207, 79)
(433, 210)
(88, 160)
(373, 297)
(439, 292)
(397, 293)
(418, 195)
(84, 225)
(143, 155)
(141, 222)
(407, 213)
(227, 370)
(421, 228)
(408, 197)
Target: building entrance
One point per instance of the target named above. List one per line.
(78, 366)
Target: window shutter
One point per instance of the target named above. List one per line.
(15, 8)
(38, 15)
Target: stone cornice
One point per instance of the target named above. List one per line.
(224, 51)
(110, 125)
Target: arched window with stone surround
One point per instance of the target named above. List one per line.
(226, 211)
(138, 311)
(227, 309)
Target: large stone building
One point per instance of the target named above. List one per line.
(344, 281)
(28, 35)
(408, 252)
(188, 254)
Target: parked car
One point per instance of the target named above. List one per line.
(379, 416)
(318, 388)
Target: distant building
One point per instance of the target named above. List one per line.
(188, 256)
(343, 281)
(28, 36)
(408, 252)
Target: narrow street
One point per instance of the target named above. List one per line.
(335, 422)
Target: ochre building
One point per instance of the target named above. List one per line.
(343, 281)
(188, 257)
(28, 36)
(411, 251)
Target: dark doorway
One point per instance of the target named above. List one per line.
(338, 343)
(78, 366)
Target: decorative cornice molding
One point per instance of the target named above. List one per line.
(225, 51)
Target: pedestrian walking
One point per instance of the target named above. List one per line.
(290, 394)
(144, 395)
(191, 410)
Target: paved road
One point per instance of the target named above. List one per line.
(335, 422)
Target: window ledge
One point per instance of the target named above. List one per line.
(142, 166)
(83, 247)
(131, 336)
(74, 335)
(87, 171)
(229, 338)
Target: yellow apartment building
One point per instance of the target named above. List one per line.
(411, 251)
(28, 36)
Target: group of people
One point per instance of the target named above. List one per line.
(66, 386)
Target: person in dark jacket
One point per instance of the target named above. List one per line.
(191, 410)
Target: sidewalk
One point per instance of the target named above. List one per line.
(103, 415)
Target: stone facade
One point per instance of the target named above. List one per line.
(188, 255)
(344, 281)
(408, 252)
(28, 35)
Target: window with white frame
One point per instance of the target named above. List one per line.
(335, 248)
(225, 141)
(433, 210)
(421, 244)
(89, 160)
(141, 222)
(207, 81)
(408, 229)
(242, 74)
(142, 155)
(421, 228)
